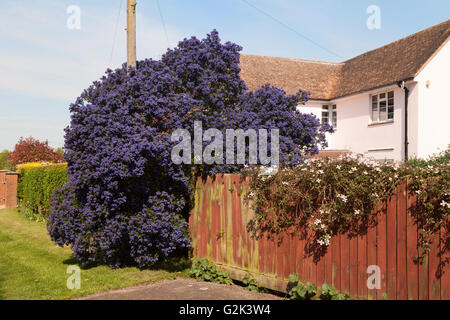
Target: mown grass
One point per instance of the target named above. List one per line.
(33, 267)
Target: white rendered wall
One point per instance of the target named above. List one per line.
(355, 131)
(428, 117)
(434, 104)
(315, 108)
(413, 121)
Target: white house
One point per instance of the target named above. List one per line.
(391, 103)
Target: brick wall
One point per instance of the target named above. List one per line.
(8, 189)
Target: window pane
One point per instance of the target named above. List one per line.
(375, 111)
(383, 111)
(374, 99)
(334, 107)
(324, 117)
(391, 95)
(334, 119)
(390, 112)
(391, 106)
(325, 107)
(383, 96)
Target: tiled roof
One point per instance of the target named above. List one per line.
(319, 78)
(399, 60)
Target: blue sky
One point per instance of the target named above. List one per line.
(44, 66)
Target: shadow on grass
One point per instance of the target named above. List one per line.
(73, 261)
(172, 264)
(2, 290)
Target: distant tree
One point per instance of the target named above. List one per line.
(33, 150)
(5, 163)
(60, 150)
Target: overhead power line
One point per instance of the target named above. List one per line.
(291, 29)
(163, 23)
(115, 31)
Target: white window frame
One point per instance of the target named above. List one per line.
(388, 106)
(329, 111)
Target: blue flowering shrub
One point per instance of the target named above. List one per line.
(126, 202)
(160, 219)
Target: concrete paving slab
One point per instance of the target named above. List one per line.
(182, 289)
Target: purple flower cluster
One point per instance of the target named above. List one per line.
(126, 201)
(160, 219)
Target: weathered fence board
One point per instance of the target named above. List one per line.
(402, 279)
(219, 232)
(412, 254)
(391, 247)
(362, 265)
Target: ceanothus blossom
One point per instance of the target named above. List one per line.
(126, 202)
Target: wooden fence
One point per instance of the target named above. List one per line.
(219, 222)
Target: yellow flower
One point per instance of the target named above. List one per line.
(30, 165)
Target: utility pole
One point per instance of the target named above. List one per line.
(131, 33)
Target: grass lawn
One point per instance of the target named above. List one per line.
(33, 267)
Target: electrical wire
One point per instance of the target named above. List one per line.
(115, 31)
(163, 23)
(291, 29)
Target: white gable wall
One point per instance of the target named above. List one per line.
(428, 116)
(355, 131)
(413, 121)
(434, 104)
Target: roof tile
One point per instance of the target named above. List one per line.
(399, 60)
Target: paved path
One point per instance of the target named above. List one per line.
(182, 289)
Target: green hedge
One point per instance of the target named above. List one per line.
(36, 186)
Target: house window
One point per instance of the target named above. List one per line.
(382, 108)
(329, 115)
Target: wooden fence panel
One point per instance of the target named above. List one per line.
(445, 278)
(412, 254)
(382, 252)
(434, 286)
(402, 271)
(328, 260)
(353, 267)
(218, 225)
(372, 257)
(362, 264)
(345, 264)
(391, 246)
(335, 247)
